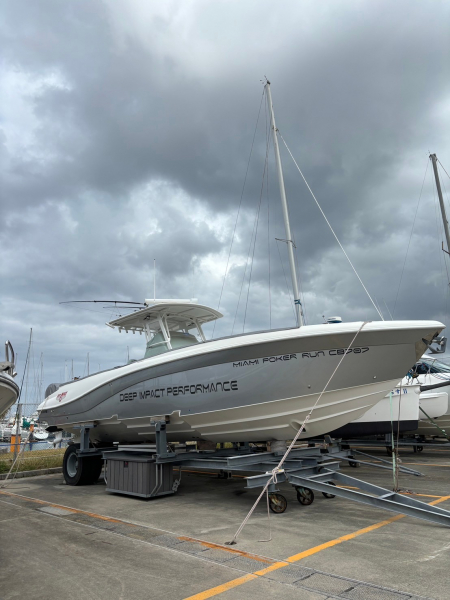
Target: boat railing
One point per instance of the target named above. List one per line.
(10, 359)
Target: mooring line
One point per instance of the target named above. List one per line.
(273, 478)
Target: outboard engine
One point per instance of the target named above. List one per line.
(52, 388)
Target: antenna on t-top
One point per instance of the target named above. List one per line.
(154, 279)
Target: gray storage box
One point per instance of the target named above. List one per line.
(137, 475)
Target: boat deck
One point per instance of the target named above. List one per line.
(82, 540)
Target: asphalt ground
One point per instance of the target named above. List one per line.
(57, 541)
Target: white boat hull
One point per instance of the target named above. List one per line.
(434, 401)
(257, 387)
(9, 392)
(399, 412)
(276, 420)
(436, 406)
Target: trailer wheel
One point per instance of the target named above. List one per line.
(277, 503)
(353, 463)
(80, 470)
(326, 495)
(419, 448)
(305, 496)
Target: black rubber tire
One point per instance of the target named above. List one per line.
(325, 494)
(277, 503)
(88, 468)
(305, 496)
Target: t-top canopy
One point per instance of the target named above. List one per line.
(175, 316)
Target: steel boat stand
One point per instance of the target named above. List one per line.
(417, 443)
(344, 451)
(306, 468)
(326, 477)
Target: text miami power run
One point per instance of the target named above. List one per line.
(285, 357)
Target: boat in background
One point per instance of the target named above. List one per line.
(402, 412)
(433, 375)
(40, 435)
(9, 390)
(399, 411)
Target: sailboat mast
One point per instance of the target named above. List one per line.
(441, 200)
(289, 240)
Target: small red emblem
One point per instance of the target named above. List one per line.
(60, 397)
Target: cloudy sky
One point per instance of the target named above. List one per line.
(126, 133)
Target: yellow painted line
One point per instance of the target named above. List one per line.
(441, 499)
(224, 587)
(256, 557)
(220, 589)
(68, 508)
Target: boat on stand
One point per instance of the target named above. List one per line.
(9, 390)
(243, 388)
(433, 376)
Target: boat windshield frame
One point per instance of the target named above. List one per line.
(434, 363)
(164, 317)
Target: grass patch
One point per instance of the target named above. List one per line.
(32, 461)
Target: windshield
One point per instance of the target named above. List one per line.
(425, 366)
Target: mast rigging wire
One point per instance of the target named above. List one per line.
(443, 168)
(266, 166)
(25, 368)
(251, 264)
(238, 212)
(245, 272)
(331, 229)
(410, 238)
(446, 197)
(387, 307)
(246, 265)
